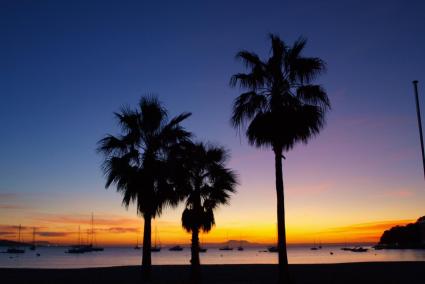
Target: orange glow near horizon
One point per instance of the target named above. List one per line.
(63, 229)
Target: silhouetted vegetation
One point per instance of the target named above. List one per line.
(411, 236)
(137, 162)
(205, 184)
(280, 107)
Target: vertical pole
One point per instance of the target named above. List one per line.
(92, 228)
(418, 112)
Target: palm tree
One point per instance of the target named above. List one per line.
(136, 162)
(206, 183)
(281, 107)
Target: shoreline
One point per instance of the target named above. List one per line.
(361, 272)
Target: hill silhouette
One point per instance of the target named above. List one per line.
(7, 243)
(235, 243)
(411, 236)
(4, 243)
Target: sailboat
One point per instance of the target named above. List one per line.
(77, 248)
(345, 247)
(273, 248)
(92, 246)
(202, 249)
(137, 243)
(156, 248)
(32, 247)
(240, 247)
(226, 247)
(16, 249)
(176, 248)
(314, 247)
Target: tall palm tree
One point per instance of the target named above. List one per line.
(136, 162)
(206, 183)
(281, 107)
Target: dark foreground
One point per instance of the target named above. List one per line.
(364, 273)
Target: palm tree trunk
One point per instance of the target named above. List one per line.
(146, 258)
(283, 276)
(195, 261)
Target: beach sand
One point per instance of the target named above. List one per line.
(359, 273)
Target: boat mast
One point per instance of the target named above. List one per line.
(92, 228)
(33, 236)
(19, 233)
(418, 113)
(156, 235)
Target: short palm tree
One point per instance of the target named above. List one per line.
(281, 107)
(206, 183)
(136, 162)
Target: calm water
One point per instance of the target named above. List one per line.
(55, 257)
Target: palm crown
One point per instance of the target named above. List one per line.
(281, 104)
(208, 184)
(136, 160)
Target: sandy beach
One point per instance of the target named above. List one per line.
(376, 273)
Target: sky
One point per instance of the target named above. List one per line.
(66, 66)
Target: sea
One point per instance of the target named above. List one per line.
(56, 257)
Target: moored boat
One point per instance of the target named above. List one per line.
(226, 247)
(16, 249)
(272, 249)
(175, 248)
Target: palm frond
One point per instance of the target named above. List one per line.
(250, 59)
(128, 119)
(152, 114)
(188, 219)
(111, 144)
(306, 69)
(297, 48)
(246, 106)
(251, 80)
(314, 94)
(278, 53)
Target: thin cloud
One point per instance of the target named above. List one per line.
(400, 193)
(311, 189)
(10, 207)
(369, 227)
(52, 234)
(7, 196)
(11, 228)
(85, 220)
(121, 230)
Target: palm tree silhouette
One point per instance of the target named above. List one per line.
(281, 107)
(206, 183)
(136, 162)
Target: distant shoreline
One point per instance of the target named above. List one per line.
(347, 273)
(6, 243)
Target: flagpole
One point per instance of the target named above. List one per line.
(418, 112)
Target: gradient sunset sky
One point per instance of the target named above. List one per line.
(66, 66)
